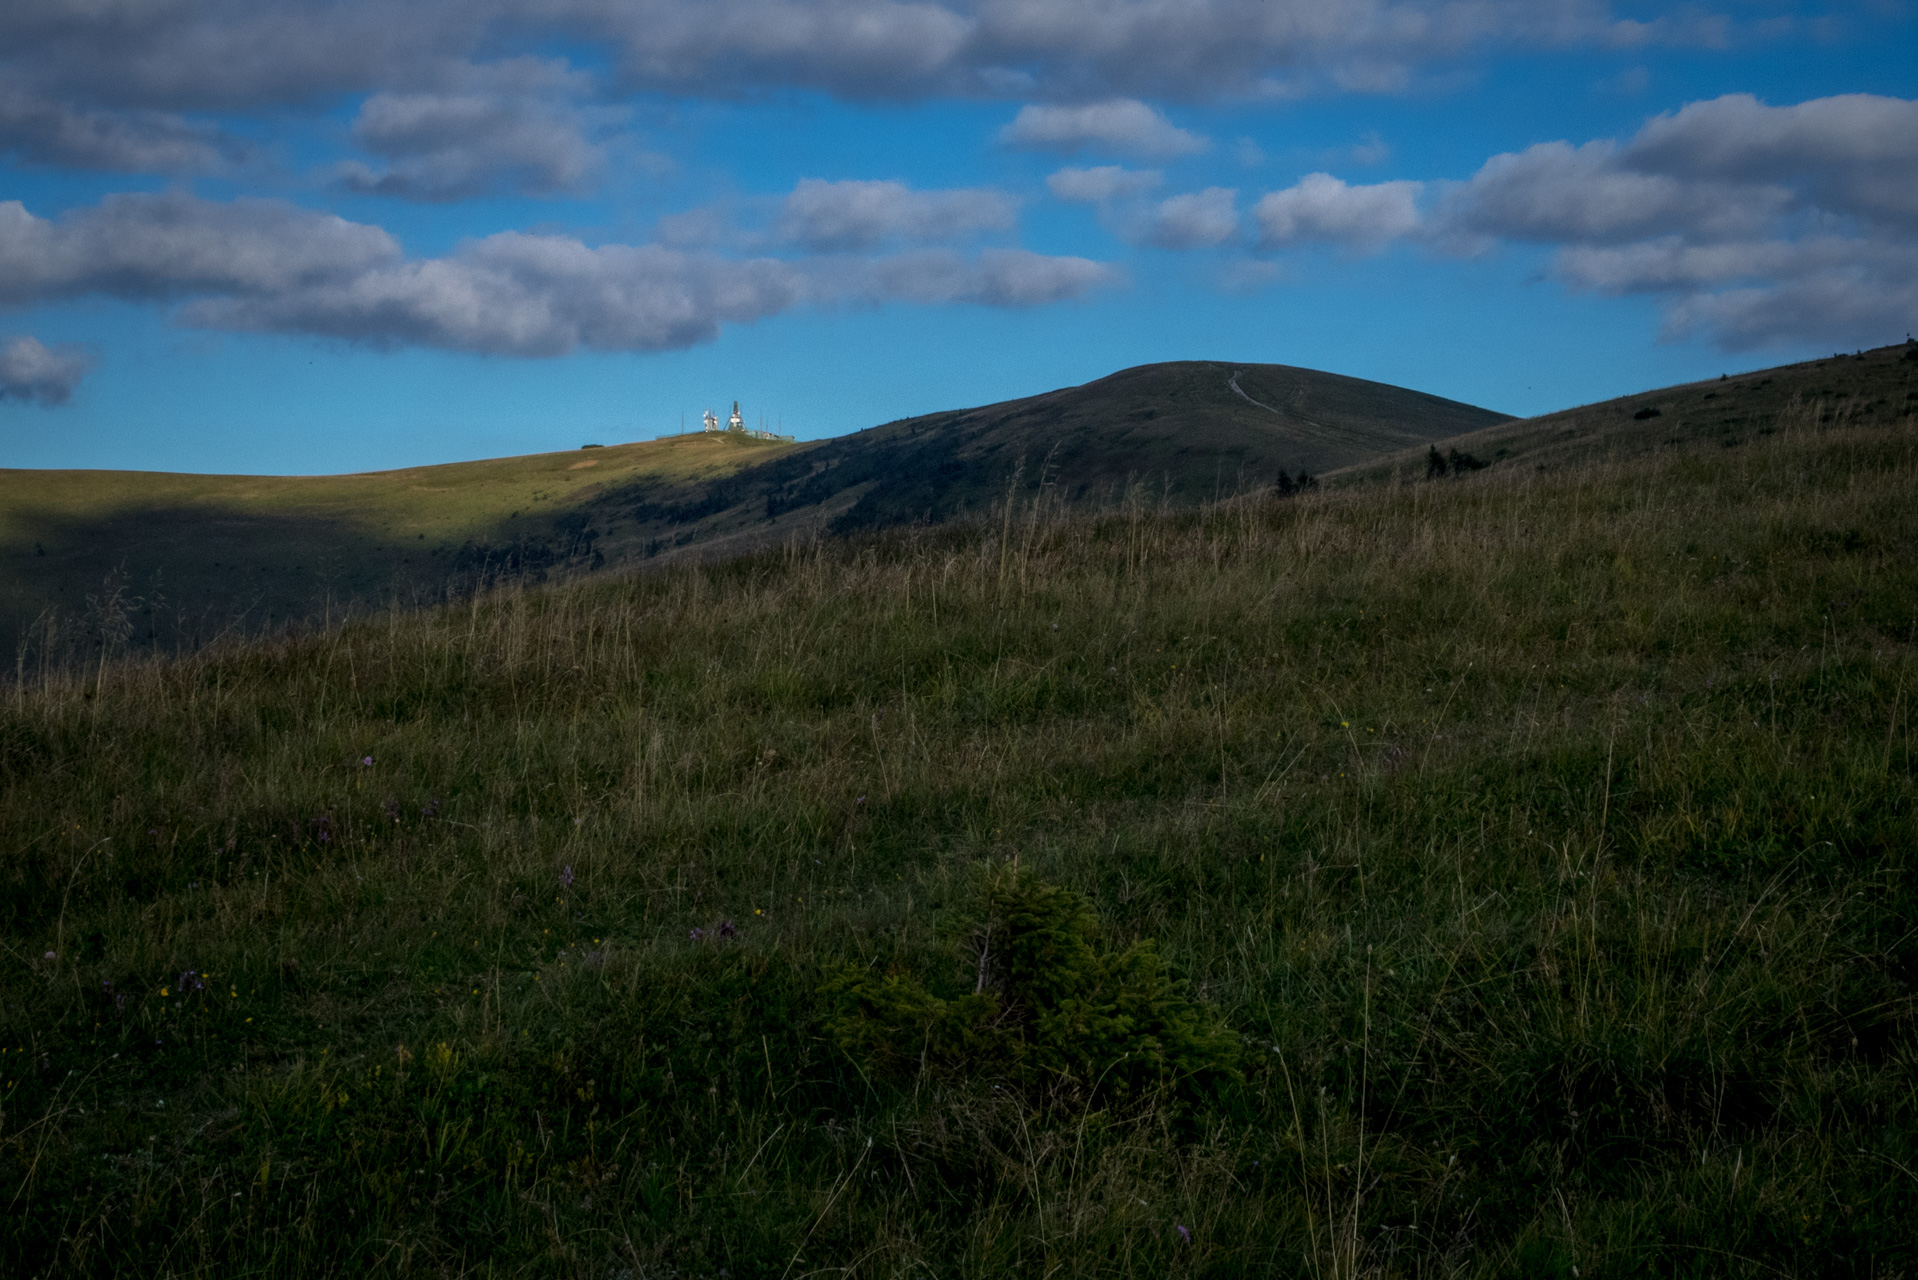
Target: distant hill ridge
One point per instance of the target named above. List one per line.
(1188, 430)
(1880, 385)
(165, 558)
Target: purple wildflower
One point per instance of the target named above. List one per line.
(431, 809)
(697, 934)
(566, 877)
(366, 762)
(726, 929)
(1183, 1233)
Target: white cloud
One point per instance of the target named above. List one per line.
(441, 147)
(38, 374)
(1746, 293)
(221, 55)
(523, 295)
(266, 266)
(1855, 153)
(174, 245)
(1102, 183)
(833, 216)
(1195, 220)
(1320, 207)
(1555, 191)
(1754, 223)
(1123, 125)
(46, 131)
(1192, 220)
(514, 126)
(1860, 302)
(1757, 224)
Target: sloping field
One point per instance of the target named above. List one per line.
(1183, 432)
(194, 554)
(179, 557)
(1876, 386)
(1508, 876)
(176, 558)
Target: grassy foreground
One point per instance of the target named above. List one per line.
(1544, 839)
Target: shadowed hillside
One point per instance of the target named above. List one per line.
(162, 558)
(173, 558)
(1876, 386)
(1186, 431)
(190, 555)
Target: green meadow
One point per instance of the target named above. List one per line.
(175, 559)
(1503, 874)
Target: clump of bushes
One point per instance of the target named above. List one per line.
(1026, 992)
(1286, 486)
(1438, 464)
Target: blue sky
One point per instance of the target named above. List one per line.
(333, 235)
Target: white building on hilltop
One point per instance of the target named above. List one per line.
(737, 423)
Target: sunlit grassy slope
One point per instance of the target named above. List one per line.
(1543, 838)
(201, 553)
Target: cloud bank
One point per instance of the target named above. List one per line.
(228, 55)
(1756, 224)
(267, 266)
(48, 132)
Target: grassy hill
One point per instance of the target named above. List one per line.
(1502, 877)
(193, 554)
(176, 558)
(1877, 386)
(1186, 431)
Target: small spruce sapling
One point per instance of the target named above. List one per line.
(1029, 994)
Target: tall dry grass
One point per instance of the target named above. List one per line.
(1546, 835)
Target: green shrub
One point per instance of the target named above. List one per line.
(1049, 1009)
